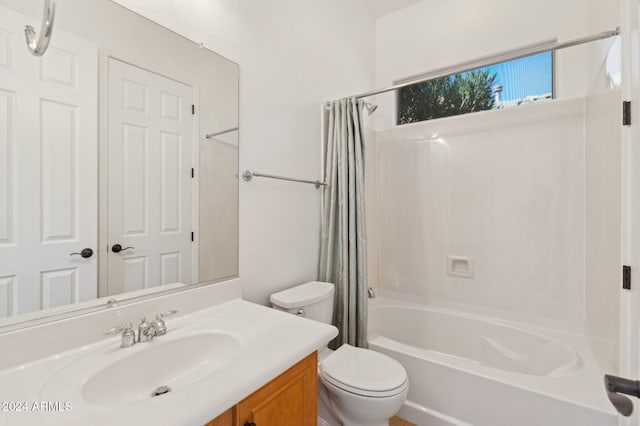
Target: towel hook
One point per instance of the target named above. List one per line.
(37, 47)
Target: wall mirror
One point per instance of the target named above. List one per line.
(118, 161)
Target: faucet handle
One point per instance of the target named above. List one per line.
(128, 335)
(159, 325)
(118, 329)
(167, 314)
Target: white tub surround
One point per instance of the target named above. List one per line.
(265, 344)
(504, 189)
(529, 375)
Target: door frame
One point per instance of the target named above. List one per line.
(629, 350)
(105, 56)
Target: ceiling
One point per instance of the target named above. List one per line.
(380, 8)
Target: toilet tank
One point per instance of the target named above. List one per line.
(313, 300)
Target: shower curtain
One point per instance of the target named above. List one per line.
(343, 246)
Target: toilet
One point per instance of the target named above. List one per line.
(356, 386)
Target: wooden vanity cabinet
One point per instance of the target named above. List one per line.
(288, 400)
(224, 419)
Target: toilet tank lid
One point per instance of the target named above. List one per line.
(302, 295)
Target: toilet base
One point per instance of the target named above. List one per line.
(357, 410)
(323, 422)
(329, 411)
(325, 414)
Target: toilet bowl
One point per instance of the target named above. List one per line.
(364, 387)
(356, 386)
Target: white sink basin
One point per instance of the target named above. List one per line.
(174, 363)
(115, 376)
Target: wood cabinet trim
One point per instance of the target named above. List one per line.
(305, 370)
(228, 418)
(303, 374)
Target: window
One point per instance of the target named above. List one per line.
(504, 85)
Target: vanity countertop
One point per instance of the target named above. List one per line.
(37, 394)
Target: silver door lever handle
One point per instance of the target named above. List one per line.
(616, 388)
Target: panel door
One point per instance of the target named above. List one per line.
(48, 169)
(150, 196)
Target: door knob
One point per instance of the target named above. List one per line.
(85, 253)
(117, 248)
(616, 386)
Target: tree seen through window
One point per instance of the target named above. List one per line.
(512, 83)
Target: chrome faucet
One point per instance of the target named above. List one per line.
(146, 331)
(128, 335)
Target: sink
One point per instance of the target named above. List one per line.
(175, 363)
(115, 376)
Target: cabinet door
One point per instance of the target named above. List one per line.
(225, 419)
(288, 400)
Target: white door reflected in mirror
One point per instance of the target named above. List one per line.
(48, 172)
(150, 184)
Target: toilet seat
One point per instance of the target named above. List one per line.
(364, 372)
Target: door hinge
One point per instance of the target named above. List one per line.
(626, 113)
(193, 109)
(626, 277)
(193, 237)
(193, 173)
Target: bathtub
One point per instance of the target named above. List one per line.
(472, 370)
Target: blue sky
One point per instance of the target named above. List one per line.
(524, 77)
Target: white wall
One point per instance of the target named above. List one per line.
(293, 56)
(218, 224)
(434, 34)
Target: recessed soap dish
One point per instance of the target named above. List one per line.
(460, 266)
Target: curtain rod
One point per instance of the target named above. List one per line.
(521, 53)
